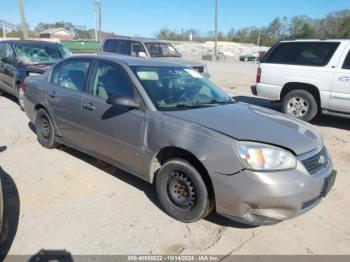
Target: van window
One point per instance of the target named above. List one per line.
(109, 46)
(303, 53)
(346, 64)
(122, 47)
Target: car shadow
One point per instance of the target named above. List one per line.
(320, 120)
(148, 189)
(11, 212)
(10, 97)
(52, 255)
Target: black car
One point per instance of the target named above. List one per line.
(21, 58)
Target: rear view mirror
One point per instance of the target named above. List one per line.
(123, 101)
(142, 55)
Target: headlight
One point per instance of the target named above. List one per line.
(262, 157)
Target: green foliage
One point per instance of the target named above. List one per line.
(334, 25)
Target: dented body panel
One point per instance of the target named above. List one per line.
(133, 139)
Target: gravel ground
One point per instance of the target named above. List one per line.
(64, 200)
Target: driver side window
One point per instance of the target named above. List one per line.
(109, 81)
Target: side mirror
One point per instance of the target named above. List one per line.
(142, 55)
(123, 101)
(7, 60)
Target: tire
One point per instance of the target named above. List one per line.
(4, 229)
(300, 104)
(45, 130)
(20, 96)
(182, 192)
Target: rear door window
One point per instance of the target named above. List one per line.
(346, 64)
(303, 53)
(122, 47)
(109, 46)
(71, 74)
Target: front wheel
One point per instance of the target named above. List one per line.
(4, 229)
(182, 192)
(45, 130)
(300, 104)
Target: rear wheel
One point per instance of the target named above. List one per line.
(20, 97)
(45, 130)
(182, 192)
(300, 104)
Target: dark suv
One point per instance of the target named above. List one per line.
(150, 48)
(19, 59)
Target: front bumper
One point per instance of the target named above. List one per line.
(263, 198)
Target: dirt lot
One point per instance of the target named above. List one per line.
(64, 200)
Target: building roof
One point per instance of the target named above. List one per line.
(54, 30)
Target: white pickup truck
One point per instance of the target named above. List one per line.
(308, 77)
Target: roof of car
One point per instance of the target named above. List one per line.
(12, 41)
(131, 61)
(139, 39)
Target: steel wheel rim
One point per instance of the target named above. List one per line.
(45, 127)
(298, 106)
(181, 190)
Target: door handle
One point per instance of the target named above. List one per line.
(89, 107)
(344, 78)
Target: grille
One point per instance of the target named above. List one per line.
(316, 162)
(200, 69)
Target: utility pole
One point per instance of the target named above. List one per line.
(3, 31)
(256, 58)
(98, 20)
(216, 30)
(23, 18)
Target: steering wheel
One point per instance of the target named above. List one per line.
(185, 98)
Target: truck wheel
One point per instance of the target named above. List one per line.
(182, 192)
(300, 104)
(45, 130)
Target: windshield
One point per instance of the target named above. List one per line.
(161, 50)
(41, 53)
(173, 88)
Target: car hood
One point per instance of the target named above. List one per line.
(181, 61)
(252, 123)
(40, 69)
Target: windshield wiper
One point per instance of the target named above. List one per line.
(215, 102)
(179, 105)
